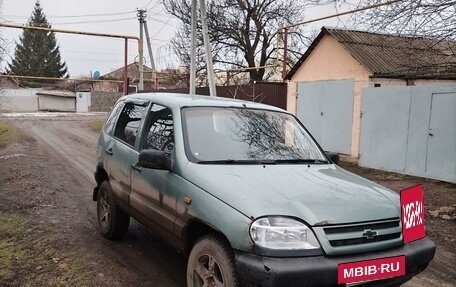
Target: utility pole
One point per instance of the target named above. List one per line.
(151, 57)
(193, 49)
(207, 46)
(141, 13)
(143, 25)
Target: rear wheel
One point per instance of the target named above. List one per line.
(112, 221)
(211, 264)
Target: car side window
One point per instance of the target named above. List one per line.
(160, 130)
(111, 121)
(128, 123)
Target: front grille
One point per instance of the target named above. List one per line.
(354, 241)
(363, 233)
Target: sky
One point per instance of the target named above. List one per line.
(86, 54)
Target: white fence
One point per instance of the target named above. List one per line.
(18, 100)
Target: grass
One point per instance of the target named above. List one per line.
(96, 125)
(33, 256)
(10, 227)
(9, 134)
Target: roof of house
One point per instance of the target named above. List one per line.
(133, 72)
(392, 56)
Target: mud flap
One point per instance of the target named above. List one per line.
(95, 193)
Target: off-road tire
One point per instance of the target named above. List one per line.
(112, 221)
(211, 247)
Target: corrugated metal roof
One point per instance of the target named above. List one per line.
(393, 56)
(56, 93)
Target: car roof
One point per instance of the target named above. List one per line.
(174, 100)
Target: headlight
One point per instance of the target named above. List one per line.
(282, 233)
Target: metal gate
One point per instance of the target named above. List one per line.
(326, 109)
(441, 144)
(410, 130)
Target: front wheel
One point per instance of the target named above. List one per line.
(112, 221)
(211, 263)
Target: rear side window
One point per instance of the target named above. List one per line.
(160, 130)
(128, 123)
(111, 121)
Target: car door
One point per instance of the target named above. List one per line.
(122, 151)
(154, 192)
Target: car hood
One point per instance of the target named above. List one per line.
(317, 194)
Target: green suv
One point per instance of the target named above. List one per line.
(248, 195)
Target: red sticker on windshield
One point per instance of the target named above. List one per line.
(412, 210)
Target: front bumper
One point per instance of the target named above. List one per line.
(322, 271)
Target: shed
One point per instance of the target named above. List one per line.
(326, 85)
(387, 101)
(56, 101)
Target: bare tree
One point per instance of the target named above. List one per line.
(429, 18)
(243, 33)
(427, 29)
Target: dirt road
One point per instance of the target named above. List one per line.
(64, 151)
(50, 178)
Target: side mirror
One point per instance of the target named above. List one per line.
(333, 156)
(154, 159)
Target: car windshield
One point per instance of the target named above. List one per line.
(242, 135)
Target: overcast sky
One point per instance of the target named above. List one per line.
(86, 54)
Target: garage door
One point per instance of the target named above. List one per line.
(326, 109)
(441, 151)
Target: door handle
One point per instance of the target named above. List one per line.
(109, 151)
(136, 167)
(431, 134)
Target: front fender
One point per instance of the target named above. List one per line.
(213, 212)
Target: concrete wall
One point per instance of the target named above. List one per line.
(330, 61)
(18, 100)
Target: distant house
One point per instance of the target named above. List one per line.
(167, 79)
(326, 85)
(8, 83)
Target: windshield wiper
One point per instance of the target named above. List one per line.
(305, 161)
(238, 161)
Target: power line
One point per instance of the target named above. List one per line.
(157, 3)
(161, 29)
(148, 3)
(94, 21)
(341, 14)
(93, 15)
(75, 16)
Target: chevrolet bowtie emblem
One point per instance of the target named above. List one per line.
(369, 234)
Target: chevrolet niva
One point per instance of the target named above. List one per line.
(246, 193)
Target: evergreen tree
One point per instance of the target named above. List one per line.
(37, 53)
